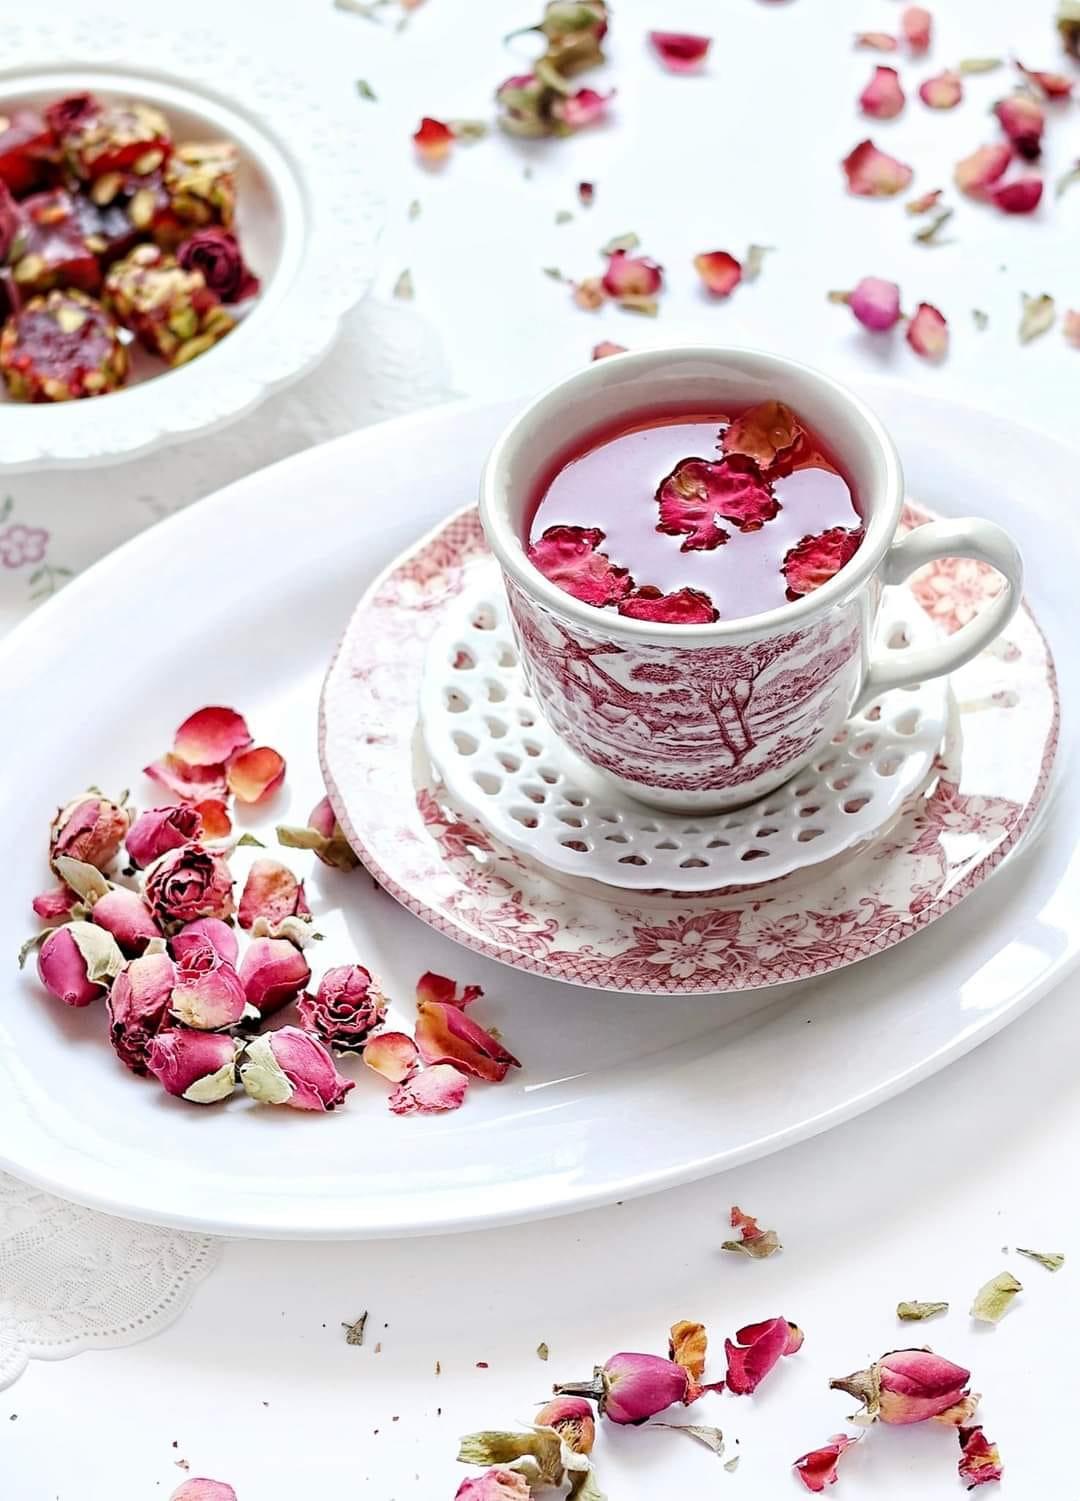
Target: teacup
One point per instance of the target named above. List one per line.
(759, 696)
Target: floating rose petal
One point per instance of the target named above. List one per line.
(698, 494)
(606, 348)
(680, 51)
(432, 1092)
(586, 107)
(256, 774)
(908, 1386)
(632, 276)
(753, 1241)
(211, 736)
(433, 987)
(817, 1469)
(916, 25)
(943, 91)
(568, 556)
(688, 1345)
(192, 784)
(271, 891)
(980, 1462)
(216, 823)
(925, 202)
(755, 1351)
(874, 174)
(1020, 197)
(444, 1034)
(928, 333)
(876, 41)
(719, 271)
(1053, 85)
(392, 1054)
(883, 97)
(683, 607)
(1071, 329)
(765, 433)
(815, 560)
(977, 172)
(1023, 121)
(876, 303)
(433, 141)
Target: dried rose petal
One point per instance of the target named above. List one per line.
(494, 1485)
(1020, 197)
(928, 333)
(688, 1345)
(975, 174)
(215, 818)
(876, 41)
(161, 829)
(433, 987)
(192, 784)
(680, 51)
(756, 1350)
(764, 433)
(273, 972)
(1023, 121)
(432, 1092)
(255, 774)
(907, 1386)
(980, 1462)
(683, 607)
(61, 901)
(874, 174)
(883, 97)
(290, 1067)
(568, 556)
(211, 736)
(698, 494)
(632, 276)
(876, 303)
(1053, 85)
(915, 26)
(392, 1054)
(925, 202)
(943, 91)
(720, 272)
(1071, 327)
(585, 107)
(203, 1490)
(271, 891)
(433, 141)
(817, 1469)
(195, 1066)
(815, 560)
(753, 1241)
(605, 348)
(444, 1034)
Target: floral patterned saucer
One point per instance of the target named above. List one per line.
(992, 775)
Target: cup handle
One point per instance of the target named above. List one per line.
(966, 537)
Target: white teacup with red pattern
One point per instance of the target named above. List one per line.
(758, 696)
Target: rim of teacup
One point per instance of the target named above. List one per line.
(882, 508)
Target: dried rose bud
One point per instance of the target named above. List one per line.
(756, 1350)
(77, 963)
(525, 103)
(208, 994)
(874, 174)
(89, 828)
(186, 883)
(273, 972)
(273, 893)
(720, 272)
(572, 1420)
(433, 987)
(58, 903)
(346, 1008)
(433, 1092)
(203, 1490)
(161, 829)
(444, 1034)
(564, 19)
(139, 1007)
(875, 302)
(680, 51)
(1023, 121)
(433, 141)
(290, 1067)
(197, 1066)
(817, 1469)
(907, 1386)
(576, 111)
(323, 835)
(916, 24)
(392, 1054)
(493, 1485)
(632, 276)
(975, 174)
(928, 333)
(883, 97)
(217, 254)
(980, 1462)
(218, 934)
(632, 1388)
(125, 915)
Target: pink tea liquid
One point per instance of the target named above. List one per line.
(696, 517)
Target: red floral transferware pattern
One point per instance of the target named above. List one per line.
(993, 774)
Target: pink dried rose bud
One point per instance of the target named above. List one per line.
(211, 930)
(203, 1490)
(290, 1067)
(55, 905)
(977, 172)
(211, 736)
(756, 1350)
(633, 1388)
(680, 51)
(606, 348)
(186, 883)
(928, 333)
(392, 1054)
(209, 994)
(572, 1419)
(883, 96)
(433, 140)
(980, 1462)
(493, 1485)
(874, 301)
(347, 1007)
(433, 987)
(874, 174)
(576, 111)
(125, 915)
(1020, 197)
(916, 25)
(161, 829)
(907, 1386)
(817, 1469)
(432, 1092)
(217, 254)
(943, 91)
(78, 962)
(273, 893)
(632, 276)
(89, 828)
(1023, 121)
(720, 272)
(444, 1034)
(324, 835)
(570, 557)
(273, 972)
(255, 774)
(197, 1066)
(139, 1007)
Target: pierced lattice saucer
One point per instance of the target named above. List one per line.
(503, 765)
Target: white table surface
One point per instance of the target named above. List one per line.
(254, 1384)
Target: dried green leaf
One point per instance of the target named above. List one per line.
(929, 232)
(414, 209)
(584, 1486)
(1038, 315)
(755, 260)
(554, 273)
(757, 1247)
(1053, 1261)
(364, 89)
(250, 839)
(564, 216)
(539, 1454)
(354, 1332)
(731, 1465)
(645, 305)
(469, 131)
(994, 1297)
(542, 1350)
(1066, 181)
(367, 8)
(100, 951)
(712, 1438)
(980, 319)
(334, 850)
(911, 1313)
(403, 287)
(625, 242)
(978, 65)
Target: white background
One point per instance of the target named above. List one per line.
(255, 1384)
